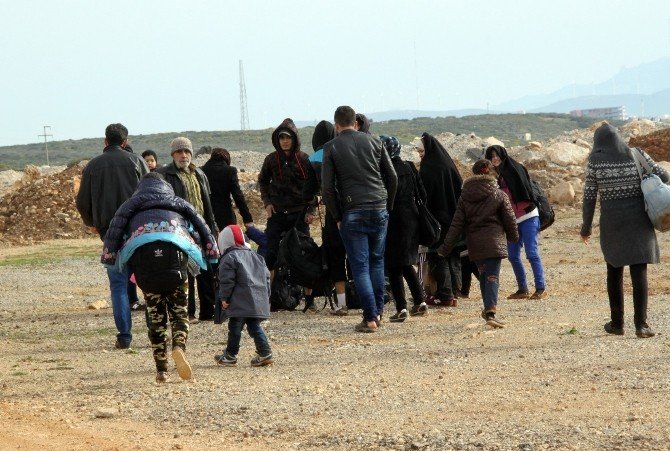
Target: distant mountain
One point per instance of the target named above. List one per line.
(656, 104)
(641, 80)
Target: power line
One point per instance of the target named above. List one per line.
(45, 135)
(244, 112)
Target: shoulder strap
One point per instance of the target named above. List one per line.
(635, 154)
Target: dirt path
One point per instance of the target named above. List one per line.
(552, 379)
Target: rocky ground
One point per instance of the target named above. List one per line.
(552, 379)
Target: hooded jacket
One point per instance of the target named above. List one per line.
(244, 280)
(107, 181)
(323, 132)
(357, 174)
(283, 176)
(485, 215)
(441, 180)
(155, 213)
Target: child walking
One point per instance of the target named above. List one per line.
(244, 291)
(484, 214)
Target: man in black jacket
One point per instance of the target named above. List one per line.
(191, 184)
(107, 181)
(359, 185)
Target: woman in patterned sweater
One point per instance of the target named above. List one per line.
(627, 237)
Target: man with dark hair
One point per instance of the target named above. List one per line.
(359, 185)
(108, 181)
(191, 184)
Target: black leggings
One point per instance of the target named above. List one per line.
(638, 275)
(396, 275)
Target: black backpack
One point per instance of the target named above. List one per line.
(544, 208)
(284, 295)
(159, 267)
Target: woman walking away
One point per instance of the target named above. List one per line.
(515, 182)
(403, 237)
(486, 217)
(443, 188)
(627, 237)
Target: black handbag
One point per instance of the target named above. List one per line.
(429, 227)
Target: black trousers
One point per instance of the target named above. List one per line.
(638, 276)
(396, 275)
(206, 291)
(468, 269)
(446, 272)
(278, 224)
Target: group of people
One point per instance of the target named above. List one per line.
(145, 213)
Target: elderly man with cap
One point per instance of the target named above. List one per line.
(191, 184)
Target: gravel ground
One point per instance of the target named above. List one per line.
(552, 379)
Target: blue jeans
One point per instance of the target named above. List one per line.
(489, 281)
(118, 286)
(529, 233)
(256, 332)
(364, 236)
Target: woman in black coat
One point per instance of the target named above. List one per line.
(443, 183)
(224, 183)
(402, 236)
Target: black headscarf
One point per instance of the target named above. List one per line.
(363, 123)
(441, 179)
(607, 140)
(323, 132)
(514, 173)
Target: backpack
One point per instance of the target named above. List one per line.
(284, 295)
(160, 267)
(544, 208)
(354, 302)
(303, 259)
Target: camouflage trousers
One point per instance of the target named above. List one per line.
(160, 307)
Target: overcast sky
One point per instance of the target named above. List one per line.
(162, 66)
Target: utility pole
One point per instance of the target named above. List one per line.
(244, 113)
(45, 135)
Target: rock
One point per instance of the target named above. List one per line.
(567, 154)
(474, 153)
(491, 141)
(106, 412)
(562, 193)
(534, 145)
(582, 143)
(97, 305)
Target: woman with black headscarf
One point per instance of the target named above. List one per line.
(225, 184)
(402, 237)
(627, 237)
(514, 180)
(443, 188)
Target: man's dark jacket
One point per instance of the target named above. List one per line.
(283, 176)
(107, 181)
(170, 172)
(357, 174)
(224, 183)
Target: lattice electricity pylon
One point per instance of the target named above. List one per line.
(244, 113)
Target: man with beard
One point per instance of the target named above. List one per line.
(191, 184)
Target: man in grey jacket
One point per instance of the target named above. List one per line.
(108, 181)
(358, 185)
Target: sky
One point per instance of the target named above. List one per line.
(172, 66)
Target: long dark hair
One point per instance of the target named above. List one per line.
(220, 154)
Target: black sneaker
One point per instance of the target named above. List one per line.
(399, 317)
(519, 294)
(162, 377)
(611, 329)
(121, 345)
(225, 359)
(262, 361)
(419, 310)
(644, 332)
